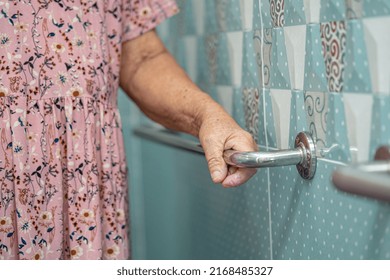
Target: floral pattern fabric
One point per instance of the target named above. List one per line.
(63, 173)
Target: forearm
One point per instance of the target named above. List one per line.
(165, 93)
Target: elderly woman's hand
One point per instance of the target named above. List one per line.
(164, 92)
(218, 133)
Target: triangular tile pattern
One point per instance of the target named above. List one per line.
(228, 14)
(249, 67)
(312, 11)
(358, 114)
(235, 46)
(185, 19)
(226, 98)
(247, 12)
(203, 71)
(294, 13)
(297, 115)
(356, 74)
(336, 135)
(315, 79)
(377, 39)
(376, 8)
(224, 76)
(198, 13)
(257, 17)
(281, 105)
(265, 14)
(295, 39)
(279, 66)
(332, 10)
(354, 9)
(380, 129)
(210, 19)
(333, 37)
(269, 119)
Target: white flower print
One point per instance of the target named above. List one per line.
(76, 252)
(87, 215)
(3, 91)
(38, 255)
(20, 27)
(120, 215)
(5, 222)
(46, 218)
(112, 252)
(75, 91)
(58, 47)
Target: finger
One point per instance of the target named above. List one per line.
(239, 177)
(217, 166)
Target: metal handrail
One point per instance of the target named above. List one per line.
(370, 179)
(303, 155)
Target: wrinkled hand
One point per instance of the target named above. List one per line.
(217, 135)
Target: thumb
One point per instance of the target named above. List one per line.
(214, 156)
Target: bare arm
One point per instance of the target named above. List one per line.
(164, 92)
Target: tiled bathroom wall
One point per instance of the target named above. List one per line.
(278, 67)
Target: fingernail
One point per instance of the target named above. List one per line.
(216, 175)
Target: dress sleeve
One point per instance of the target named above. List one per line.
(140, 16)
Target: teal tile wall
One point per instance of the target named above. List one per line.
(325, 57)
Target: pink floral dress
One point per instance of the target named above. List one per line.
(63, 173)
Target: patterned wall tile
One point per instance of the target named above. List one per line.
(211, 49)
(264, 14)
(251, 102)
(337, 144)
(228, 15)
(377, 38)
(312, 10)
(210, 18)
(279, 66)
(315, 79)
(294, 13)
(247, 11)
(270, 128)
(190, 48)
(281, 105)
(297, 115)
(358, 115)
(203, 71)
(316, 105)
(380, 128)
(199, 8)
(224, 66)
(225, 97)
(356, 74)
(295, 39)
(374, 8)
(354, 9)
(333, 35)
(251, 96)
(277, 12)
(235, 45)
(332, 10)
(262, 40)
(185, 19)
(313, 220)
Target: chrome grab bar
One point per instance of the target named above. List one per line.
(368, 179)
(303, 155)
